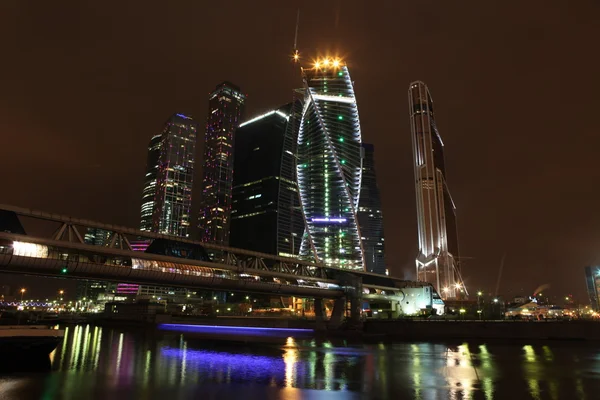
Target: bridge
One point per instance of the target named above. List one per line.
(65, 254)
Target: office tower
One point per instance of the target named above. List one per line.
(592, 281)
(225, 108)
(97, 237)
(437, 259)
(167, 193)
(266, 214)
(329, 166)
(370, 215)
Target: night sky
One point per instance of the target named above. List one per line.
(85, 84)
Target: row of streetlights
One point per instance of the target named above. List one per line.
(23, 290)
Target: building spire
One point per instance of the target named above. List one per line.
(296, 54)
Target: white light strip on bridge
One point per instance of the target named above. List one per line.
(339, 99)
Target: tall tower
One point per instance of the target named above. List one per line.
(167, 193)
(329, 166)
(437, 260)
(225, 108)
(266, 214)
(370, 215)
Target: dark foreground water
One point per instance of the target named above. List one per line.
(104, 363)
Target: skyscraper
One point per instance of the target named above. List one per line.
(592, 283)
(437, 259)
(167, 193)
(266, 214)
(97, 237)
(329, 166)
(370, 215)
(225, 108)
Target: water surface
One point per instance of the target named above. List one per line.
(108, 363)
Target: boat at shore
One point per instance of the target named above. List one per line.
(29, 340)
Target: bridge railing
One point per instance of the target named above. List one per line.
(26, 254)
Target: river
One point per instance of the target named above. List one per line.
(113, 363)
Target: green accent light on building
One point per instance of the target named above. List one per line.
(343, 161)
(340, 117)
(341, 139)
(64, 271)
(340, 73)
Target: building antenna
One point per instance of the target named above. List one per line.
(296, 55)
(500, 274)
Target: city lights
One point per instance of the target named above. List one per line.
(328, 62)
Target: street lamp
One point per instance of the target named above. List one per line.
(23, 290)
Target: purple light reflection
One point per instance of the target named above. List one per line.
(240, 367)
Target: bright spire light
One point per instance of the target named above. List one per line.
(457, 286)
(336, 63)
(445, 290)
(317, 64)
(326, 62)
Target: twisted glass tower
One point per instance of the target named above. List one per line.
(329, 166)
(437, 258)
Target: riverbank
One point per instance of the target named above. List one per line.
(406, 329)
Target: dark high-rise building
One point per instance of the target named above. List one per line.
(592, 281)
(167, 193)
(225, 108)
(437, 259)
(329, 166)
(266, 214)
(97, 237)
(370, 215)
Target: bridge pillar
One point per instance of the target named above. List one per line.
(352, 286)
(337, 315)
(320, 313)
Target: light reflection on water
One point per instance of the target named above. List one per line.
(95, 362)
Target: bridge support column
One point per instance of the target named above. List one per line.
(337, 315)
(320, 314)
(352, 286)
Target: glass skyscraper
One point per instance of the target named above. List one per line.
(329, 166)
(592, 283)
(167, 193)
(225, 109)
(437, 259)
(266, 214)
(370, 215)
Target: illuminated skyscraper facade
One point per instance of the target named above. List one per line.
(167, 193)
(592, 283)
(266, 215)
(370, 215)
(437, 259)
(225, 109)
(329, 166)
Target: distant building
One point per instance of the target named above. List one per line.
(91, 290)
(592, 280)
(167, 193)
(437, 259)
(97, 237)
(225, 110)
(266, 214)
(370, 215)
(329, 166)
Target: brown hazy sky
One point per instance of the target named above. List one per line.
(84, 84)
